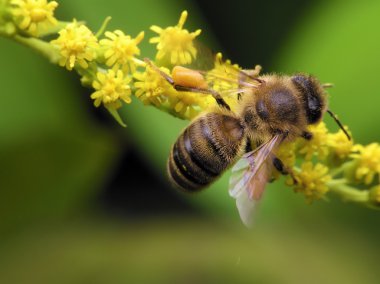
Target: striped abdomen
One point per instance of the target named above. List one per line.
(204, 150)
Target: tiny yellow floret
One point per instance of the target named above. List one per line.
(311, 181)
(188, 104)
(368, 159)
(286, 153)
(34, 16)
(318, 145)
(121, 50)
(111, 88)
(175, 43)
(340, 145)
(77, 44)
(224, 75)
(151, 87)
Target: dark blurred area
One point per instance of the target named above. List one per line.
(252, 32)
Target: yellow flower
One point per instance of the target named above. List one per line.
(175, 43)
(77, 44)
(311, 181)
(121, 50)
(111, 87)
(34, 15)
(188, 105)
(224, 75)
(286, 153)
(340, 145)
(318, 144)
(368, 159)
(151, 87)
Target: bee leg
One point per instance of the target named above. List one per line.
(279, 165)
(163, 74)
(221, 102)
(307, 135)
(248, 146)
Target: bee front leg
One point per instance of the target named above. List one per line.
(307, 135)
(279, 165)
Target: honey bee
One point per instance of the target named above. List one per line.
(271, 109)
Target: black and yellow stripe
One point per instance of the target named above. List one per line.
(203, 151)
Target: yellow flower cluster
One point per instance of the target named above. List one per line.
(151, 87)
(79, 48)
(331, 159)
(175, 43)
(368, 162)
(318, 145)
(76, 44)
(121, 50)
(312, 180)
(34, 16)
(111, 87)
(309, 178)
(339, 145)
(224, 75)
(93, 56)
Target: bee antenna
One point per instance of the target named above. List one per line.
(333, 115)
(249, 76)
(327, 85)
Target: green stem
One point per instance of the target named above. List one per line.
(42, 47)
(103, 27)
(341, 169)
(346, 192)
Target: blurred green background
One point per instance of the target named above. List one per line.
(84, 201)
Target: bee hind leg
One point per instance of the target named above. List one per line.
(163, 74)
(219, 99)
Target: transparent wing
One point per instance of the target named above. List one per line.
(221, 75)
(249, 177)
